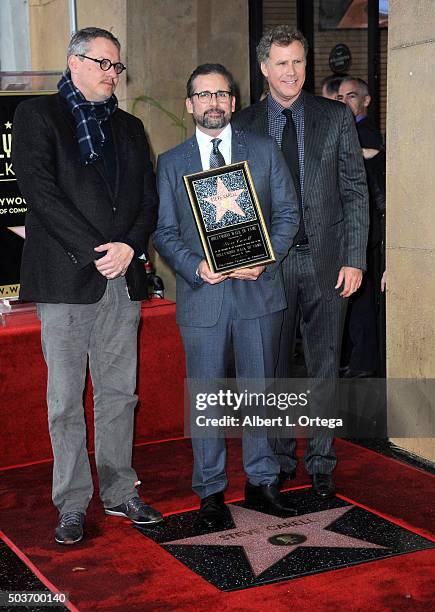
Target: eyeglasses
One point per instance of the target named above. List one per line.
(106, 64)
(206, 96)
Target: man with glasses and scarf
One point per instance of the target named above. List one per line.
(84, 167)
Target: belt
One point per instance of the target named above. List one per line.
(302, 242)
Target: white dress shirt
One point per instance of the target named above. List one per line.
(205, 145)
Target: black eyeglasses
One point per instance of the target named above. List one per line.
(106, 64)
(206, 96)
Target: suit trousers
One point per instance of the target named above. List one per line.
(106, 333)
(322, 322)
(360, 342)
(255, 345)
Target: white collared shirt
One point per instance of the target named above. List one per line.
(205, 146)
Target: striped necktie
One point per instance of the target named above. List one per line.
(216, 157)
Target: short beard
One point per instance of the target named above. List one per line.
(214, 123)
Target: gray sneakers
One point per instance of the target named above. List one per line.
(137, 511)
(70, 528)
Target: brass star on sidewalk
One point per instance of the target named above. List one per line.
(267, 539)
(225, 200)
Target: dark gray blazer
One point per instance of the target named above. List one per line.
(72, 208)
(335, 189)
(176, 237)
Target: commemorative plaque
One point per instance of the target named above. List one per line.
(229, 218)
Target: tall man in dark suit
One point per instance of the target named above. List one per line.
(243, 308)
(83, 166)
(325, 265)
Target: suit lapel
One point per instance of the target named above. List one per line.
(316, 130)
(66, 113)
(120, 142)
(99, 167)
(260, 124)
(191, 156)
(239, 150)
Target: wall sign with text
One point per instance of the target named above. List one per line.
(13, 206)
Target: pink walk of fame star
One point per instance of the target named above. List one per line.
(225, 200)
(267, 539)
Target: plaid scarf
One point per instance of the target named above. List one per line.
(89, 134)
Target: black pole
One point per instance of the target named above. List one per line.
(305, 21)
(255, 33)
(373, 59)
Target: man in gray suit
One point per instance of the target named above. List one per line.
(326, 263)
(243, 308)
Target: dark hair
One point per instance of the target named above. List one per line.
(332, 83)
(362, 85)
(211, 69)
(281, 35)
(80, 41)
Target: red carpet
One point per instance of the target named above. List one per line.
(116, 568)
(23, 412)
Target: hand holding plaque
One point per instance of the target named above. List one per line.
(229, 218)
(251, 273)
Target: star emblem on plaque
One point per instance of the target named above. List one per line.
(225, 200)
(228, 217)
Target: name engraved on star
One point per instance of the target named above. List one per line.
(259, 531)
(229, 218)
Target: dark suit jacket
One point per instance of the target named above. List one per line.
(177, 240)
(335, 189)
(375, 167)
(72, 208)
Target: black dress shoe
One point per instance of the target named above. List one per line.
(342, 372)
(359, 373)
(213, 511)
(267, 498)
(284, 476)
(323, 485)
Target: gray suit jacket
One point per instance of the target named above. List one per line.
(335, 189)
(177, 240)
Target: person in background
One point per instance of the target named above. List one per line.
(362, 355)
(330, 86)
(84, 167)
